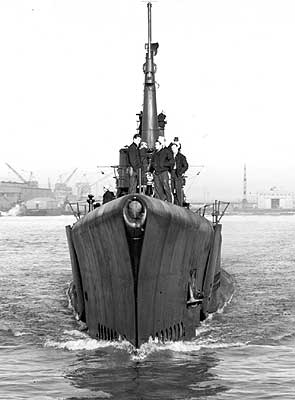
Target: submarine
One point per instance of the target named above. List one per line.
(144, 268)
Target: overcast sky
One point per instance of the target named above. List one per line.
(71, 82)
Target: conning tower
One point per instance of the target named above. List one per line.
(151, 125)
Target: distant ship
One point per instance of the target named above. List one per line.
(14, 194)
(142, 267)
(26, 198)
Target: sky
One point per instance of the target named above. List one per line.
(71, 83)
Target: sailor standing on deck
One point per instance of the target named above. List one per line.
(108, 194)
(177, 171)
(161, 163)
(135, 163)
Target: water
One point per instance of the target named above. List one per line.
(247, 351)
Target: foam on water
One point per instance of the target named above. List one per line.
(185, 347)
(203, 328)
(226, 303)
(17, 333)
(74, 340)
(78, 344)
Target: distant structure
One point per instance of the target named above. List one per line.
(30, 182)
(244, 200)
(62, 191)
(83, 188)
(42, 206)
(13, 193)
(275, 199)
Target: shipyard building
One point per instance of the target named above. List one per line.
(12, 193)
(275, 199)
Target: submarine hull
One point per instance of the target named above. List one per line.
(145, 268)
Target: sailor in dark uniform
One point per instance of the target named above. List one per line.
(135, 163)
(108, 195)
(161, 163)
(179, 168)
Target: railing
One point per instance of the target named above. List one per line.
(79, 209)
(216, 209)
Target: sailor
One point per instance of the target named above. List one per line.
(162, 140)
(134, 163)
(179, 167)
(108, 194)
(175, 141)
(161, 162)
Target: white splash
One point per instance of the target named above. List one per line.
(17, 333)
(15, 211)
(75, 340)
(226, 303)
(78, 344)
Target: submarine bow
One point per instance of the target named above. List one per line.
(140, 256)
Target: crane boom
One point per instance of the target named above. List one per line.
(69, 177)
(16, 173)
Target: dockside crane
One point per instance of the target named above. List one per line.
(62, 191)
(62, 185)
(29, 182)
(16, 173)
(70, 176)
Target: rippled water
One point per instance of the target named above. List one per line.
(247, 351)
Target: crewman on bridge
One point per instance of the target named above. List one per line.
(161, 163)
(179, 167)
(135, 163)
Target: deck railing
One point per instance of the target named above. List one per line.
(216, 209)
